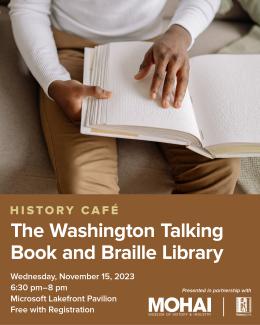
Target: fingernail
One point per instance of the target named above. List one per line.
(166, 103)
(107, 93)
(177, 104)
(153, 95)
(138, 75)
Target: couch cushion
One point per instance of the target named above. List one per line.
(24, 164)
(252, 7)
(232, 10)
(250, 176)
(218, 35)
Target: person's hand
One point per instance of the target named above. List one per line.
(70, 94)
(169, 54)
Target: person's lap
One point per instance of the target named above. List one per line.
(88, 165)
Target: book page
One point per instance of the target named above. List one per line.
(130, 103)
(226, 98)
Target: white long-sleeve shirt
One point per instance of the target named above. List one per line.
(98, 20)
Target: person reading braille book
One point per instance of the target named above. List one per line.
(51, 36)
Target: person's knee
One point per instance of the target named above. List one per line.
(232, 168)
(211, 177)
(80, 179)
(228, 176)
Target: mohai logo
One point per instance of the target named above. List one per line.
(179, 305)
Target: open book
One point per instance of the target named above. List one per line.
(220, 115)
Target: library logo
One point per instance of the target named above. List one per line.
(243, 306)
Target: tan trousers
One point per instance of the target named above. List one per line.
(88, 164)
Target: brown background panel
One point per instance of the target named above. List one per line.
(239, 267)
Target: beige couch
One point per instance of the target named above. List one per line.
(24, 164)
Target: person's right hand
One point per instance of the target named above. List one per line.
(69, 96)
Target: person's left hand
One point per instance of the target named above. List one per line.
(170, 55)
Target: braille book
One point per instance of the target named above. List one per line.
(220, 115)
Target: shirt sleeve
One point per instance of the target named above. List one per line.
(33, 35)
(195, 15)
